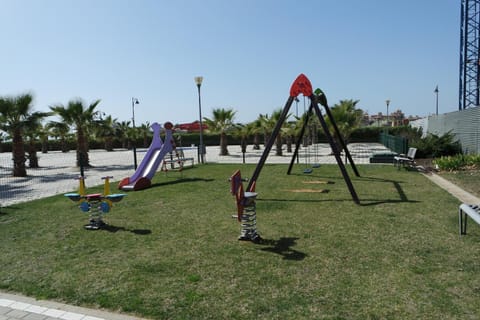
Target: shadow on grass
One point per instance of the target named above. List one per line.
(396, 184)
(181, 180)
(363, 202)
(282, 247)
(114, 229)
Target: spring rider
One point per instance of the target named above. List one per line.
(96, 204)
(246, 209)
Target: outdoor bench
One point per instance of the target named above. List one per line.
(408, 159)
(467, 210)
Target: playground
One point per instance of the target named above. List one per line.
(170, 251)
(339, 240)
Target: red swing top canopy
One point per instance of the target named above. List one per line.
(301, 85)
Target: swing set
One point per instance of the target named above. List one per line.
(245, 200)
(302, 85)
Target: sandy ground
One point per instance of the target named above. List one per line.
(57, 173)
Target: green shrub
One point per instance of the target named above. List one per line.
(434, 146)
(472, 161)
(450, 163)
(458, 162)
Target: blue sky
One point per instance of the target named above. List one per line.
(249, 53)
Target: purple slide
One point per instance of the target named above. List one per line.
(142, 177)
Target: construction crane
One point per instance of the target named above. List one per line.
(469, 82)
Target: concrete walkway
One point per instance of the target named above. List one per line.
(13, 307)
(462, 195)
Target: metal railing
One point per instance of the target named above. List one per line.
(395, 143)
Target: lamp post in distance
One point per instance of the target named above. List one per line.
(134, 102)
(201, 151)
(388, 103)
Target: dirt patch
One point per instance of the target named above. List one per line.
(317, 182)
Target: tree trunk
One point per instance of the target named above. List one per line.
(18, 151)
(278, 144)
(109, 143)
(32, 155)
(289, 143)
(256, 142)
(63, 144)
(45, 145)
(266, 137)
(145, 141)
(223, 144)
(82, 149)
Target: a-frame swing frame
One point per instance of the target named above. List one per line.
(319, 95)
(302, 85)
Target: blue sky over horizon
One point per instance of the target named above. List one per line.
(249, 53)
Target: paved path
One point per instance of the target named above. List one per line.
(13, 307)
(454, 190)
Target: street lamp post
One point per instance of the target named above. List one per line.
(198, 81)
(134, 102)
(436, 100)
(388, 103)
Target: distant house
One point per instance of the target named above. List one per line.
(191, 127)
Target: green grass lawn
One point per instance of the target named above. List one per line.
(171, 251)
(466, 179)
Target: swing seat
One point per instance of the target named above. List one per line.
(307, 170)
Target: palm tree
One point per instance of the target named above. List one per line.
(34, 129)
(269, 124)
(243, 132)
(3, 137)
(290, 131)
(15, 113)
(43, 134)
(105, 130)
(81, 117)
(59, 130)
(221, 123)
(145, 132)
(256, 130)
(347, 118)
(121, 131)
(266, 127)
